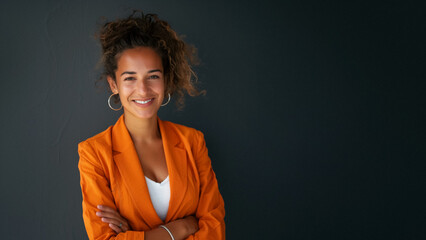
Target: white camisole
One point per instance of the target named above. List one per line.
(160, 196)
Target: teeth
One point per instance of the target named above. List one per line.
(144, 102)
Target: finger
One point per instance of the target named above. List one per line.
(112, 216)
(113, 224)
(122, 225)
(109, 210)
(106, 209)
(111, 220)
(115, 228)
(125, 227)
(107, 214)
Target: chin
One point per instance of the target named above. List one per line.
(147, 114)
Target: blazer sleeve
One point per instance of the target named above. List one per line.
(211, 207)
(95, 188)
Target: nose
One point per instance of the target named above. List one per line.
(142, 87)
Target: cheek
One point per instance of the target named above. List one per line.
(124, 93)
(126, 89)
(159, 86)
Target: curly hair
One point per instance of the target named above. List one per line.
(147, 30)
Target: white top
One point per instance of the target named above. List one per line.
(160, 196)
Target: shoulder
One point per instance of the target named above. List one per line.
(186, 137)
(183, 131)
(99, 141)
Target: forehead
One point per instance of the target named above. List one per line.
(139, 59)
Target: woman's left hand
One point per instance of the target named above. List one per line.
(115, 220)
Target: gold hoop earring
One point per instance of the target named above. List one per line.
(168, 100)
(109, 103)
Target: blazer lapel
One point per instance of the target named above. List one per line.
(176, 159)
(128, 164)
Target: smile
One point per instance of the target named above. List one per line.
(144, 102)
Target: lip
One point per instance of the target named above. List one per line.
(151, 100)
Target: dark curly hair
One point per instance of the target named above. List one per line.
(147, 30)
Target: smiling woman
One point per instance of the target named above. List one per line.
(139, 82)
(145, 178)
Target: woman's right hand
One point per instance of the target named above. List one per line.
(113, 218)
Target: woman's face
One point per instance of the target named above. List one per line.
(139, 82)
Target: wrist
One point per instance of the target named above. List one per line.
(168, 231)
(177, 228)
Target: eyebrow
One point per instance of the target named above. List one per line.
(150, 71)
(155, 70)
(127, 73)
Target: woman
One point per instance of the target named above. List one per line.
(145, 178)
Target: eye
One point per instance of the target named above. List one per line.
(129, 78)
(154, 77)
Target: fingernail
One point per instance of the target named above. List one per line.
(103, 219)
(99, 206)
(98, 213)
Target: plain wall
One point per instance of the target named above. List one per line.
(314, 115)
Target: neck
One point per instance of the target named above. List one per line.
(142, 130)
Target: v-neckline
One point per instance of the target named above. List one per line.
(160, 183)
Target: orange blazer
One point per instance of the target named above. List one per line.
(111, 174)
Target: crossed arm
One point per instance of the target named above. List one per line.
(104, 221)
(181, 228)
(208, 222)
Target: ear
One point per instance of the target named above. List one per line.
(112, 85)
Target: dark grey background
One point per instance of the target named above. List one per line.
(314, 114)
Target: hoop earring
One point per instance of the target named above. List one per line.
(168, 100)
(109, 103)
